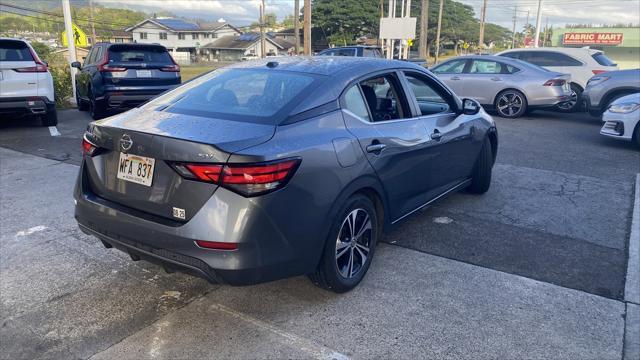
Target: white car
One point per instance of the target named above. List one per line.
(26, 85)
(580, 63)
(622, 119)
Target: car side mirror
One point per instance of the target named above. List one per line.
(470, 107)
(76, 64)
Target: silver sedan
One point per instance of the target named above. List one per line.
(510, 86)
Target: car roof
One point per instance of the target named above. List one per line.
(566, 50)
(328, 65)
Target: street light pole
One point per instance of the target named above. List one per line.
(71, 43)
(538, 24)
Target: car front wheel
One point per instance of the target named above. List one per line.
(350, 247)
(481, 177)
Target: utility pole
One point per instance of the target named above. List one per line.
(296, 25)
(407, 13)
(424, 27)
(263, 45)
(482, 20)
(546, 33)
(538, 24)
(390, 42)
(93, 28)
(381, 41)
(438, 31)
(71, 43)
(515, 17)
(526, 30)
(307, 27)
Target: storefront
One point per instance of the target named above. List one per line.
(620, 44)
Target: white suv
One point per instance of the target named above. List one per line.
(26, 86)
(581, 63)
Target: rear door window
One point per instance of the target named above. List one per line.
(249, 95)
(354, 102)
(602, 59)
(485, 67)
(11, 50)
(344, 52)
(139, 54)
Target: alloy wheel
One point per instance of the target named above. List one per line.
(568, 105)
(353, 243)
(510, 104)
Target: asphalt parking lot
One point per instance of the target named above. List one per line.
(535, 268)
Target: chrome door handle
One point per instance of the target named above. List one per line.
(455, 78)
(436, 135)
(376, 148)
(496, 79)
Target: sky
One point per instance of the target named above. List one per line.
(558, 12)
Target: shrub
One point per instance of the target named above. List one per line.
(61, 85)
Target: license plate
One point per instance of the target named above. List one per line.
(143, 73)
(136, 169)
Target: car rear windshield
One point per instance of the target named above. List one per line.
(11, 50)
(145, 54)
(249, 95)
(602, 59)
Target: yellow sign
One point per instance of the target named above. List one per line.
(80, 38)
(410, 42)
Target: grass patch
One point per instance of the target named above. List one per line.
(188, 72)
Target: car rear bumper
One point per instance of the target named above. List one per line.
(129, 97)
(548, 98)
(262, 254)
(26, 105)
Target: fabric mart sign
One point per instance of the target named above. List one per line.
(592, 39)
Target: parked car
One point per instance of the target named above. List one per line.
(622, 119)
(603, 89)
(248, 57)
(580, 63)
(356, 50)
(510, 86)
(122, 76)
(271, 169)
(26, 85)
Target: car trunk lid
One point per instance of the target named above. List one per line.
(167, 139)
(139, 65)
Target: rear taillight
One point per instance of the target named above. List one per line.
(40, 67)
(596, 72)
(172, 68)
(88, 148)
(108, 68)
(555, 82)
(245, 179)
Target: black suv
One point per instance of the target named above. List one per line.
(121, 76)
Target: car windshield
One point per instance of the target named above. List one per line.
(11, 50)
(248, 95)
(146, 54)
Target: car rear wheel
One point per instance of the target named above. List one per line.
(481, 177)
(82, 105)
(636, 135)
(50, 118)
(96, 108)
(350, 247)
(511, 104)
(574, 102)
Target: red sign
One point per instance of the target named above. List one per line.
(592, 38)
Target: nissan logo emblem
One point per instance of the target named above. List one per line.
(125, 142)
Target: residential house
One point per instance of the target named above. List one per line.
(179, 35)
(234, 48)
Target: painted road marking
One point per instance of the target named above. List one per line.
(315, 350)
(632, 284)
(53, 130)
(31, 230)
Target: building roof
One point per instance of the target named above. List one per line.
(244, 41)
(175, 24)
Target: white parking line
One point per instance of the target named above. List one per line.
(53, 130)
(632, 285)
(315, 350)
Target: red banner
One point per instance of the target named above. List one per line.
(592, 39)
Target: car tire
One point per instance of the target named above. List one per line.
(510, 104)
(82, 105)
(96, 108)
(574, 104)
(343, 251)
(50, 118)
(481, 176)
(636, 135)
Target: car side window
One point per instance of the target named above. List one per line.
(384, 98)
(98, 56)
(451, 67)
(485, 67)
(344, 52)
(428, 94)
(354, 102)
(90, 56)
(559, 59)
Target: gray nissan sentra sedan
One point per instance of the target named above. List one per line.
(269, 169)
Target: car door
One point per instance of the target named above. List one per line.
(81, 76)
(454, 147)
(452, 74)
(484, 80)
(393, 138)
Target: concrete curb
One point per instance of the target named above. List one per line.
(632, 284)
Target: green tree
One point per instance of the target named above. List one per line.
(345, 20)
